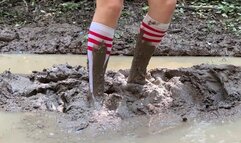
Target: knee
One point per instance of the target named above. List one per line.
(169, 4)
(162, 5)
(113, 6)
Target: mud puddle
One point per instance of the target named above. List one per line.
(170, 99)
(204, 92)
(37, 128)
(30, 127)
(192, 132)
(25, 64)
(8, 126)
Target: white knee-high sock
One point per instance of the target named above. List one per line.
(98, 33)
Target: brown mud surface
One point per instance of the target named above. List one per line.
(49, 28)
(201, 92)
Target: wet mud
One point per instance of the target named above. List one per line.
(50, 39)
(50, 33)
(69, 38)
(201, 92)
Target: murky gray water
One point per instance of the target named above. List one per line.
(39, 128)
(28, 63)
(30, 128)
(35, 128)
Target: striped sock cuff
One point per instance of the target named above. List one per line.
(103, 29)
(156, 24)
(153, 31)
(100, 33)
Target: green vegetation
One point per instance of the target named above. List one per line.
(228, 12)
(68, 6)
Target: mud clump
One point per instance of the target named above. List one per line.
(202, 91)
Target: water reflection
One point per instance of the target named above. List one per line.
(28, 63)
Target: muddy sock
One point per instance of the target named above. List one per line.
(153, 30)
(98, 33)
(151, 34)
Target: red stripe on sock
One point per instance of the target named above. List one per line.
(151, 40)
(100, 36)
(90, 48)
(108, 52)
(150, 28)
(151, 34)
(98, 43)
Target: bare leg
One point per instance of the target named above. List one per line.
(161, 10)
(108, 12)
(100, 39)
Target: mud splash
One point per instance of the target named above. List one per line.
(202, 92)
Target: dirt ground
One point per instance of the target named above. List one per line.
(51, 29)
(200, 92)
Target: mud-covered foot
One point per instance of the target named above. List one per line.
(142, 55)
(133, 88)
(93, 101)
(137, 78)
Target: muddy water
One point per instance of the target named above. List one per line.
(28, 63)
(194, 132)
(8, 126)
(28, 128)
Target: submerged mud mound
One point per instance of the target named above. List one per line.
(203, 91)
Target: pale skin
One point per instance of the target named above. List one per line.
(108, 11)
